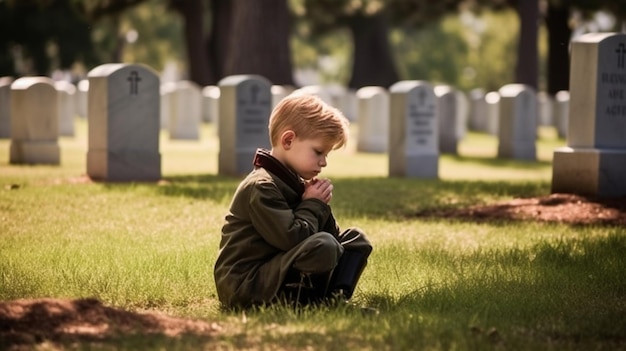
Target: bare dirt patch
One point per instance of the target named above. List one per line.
(27, 322)
(558, 208)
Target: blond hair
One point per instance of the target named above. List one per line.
(310, 118)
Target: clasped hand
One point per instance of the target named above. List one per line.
(321, 189)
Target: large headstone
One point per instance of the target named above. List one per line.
(517, 128)
(66, 106)
(244, 111)
(123, 123)
(413, 130)
(373, 119)
(5, 107)
(594, 161)
(185, 111)
(34, 121)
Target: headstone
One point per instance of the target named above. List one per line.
(5, 107)
(210, 102)
(244, 112)
(185, 111)
(373, 119)
(517, 128)
(34, 121)
(477, 110)
(166, 91)
(492, 99)
(123, 123)
(343, 99)
(545, 109)
(319, 91)
(594, 160)
(462, 111)
(279, 92)
(561, 112)
(82, 90)
(451, 121)
(66, 106)
(413, 130)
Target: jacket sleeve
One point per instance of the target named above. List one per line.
(280, 225)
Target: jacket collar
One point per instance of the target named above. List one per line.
(264, 159)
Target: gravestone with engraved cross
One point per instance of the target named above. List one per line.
(594, 160)
(413, 130)
(244, 111)
(123, 123)
(34, 121)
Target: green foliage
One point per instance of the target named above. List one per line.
(465, 51)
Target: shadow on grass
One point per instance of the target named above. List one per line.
(496, 162)
(567, 291)
(374, 197)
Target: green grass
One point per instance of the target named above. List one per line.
(438, 284)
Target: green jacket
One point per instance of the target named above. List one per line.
(266, 221)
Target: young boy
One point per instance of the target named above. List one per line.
(280, 240)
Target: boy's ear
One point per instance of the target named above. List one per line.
(287, 138)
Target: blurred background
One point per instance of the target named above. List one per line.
(354, 43)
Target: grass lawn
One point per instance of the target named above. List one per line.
(438, 284)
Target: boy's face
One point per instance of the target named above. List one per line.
(307, 157)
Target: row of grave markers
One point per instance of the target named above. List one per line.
(412, 121)
(185, 105)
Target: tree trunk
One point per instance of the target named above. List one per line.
(527, 69)
(259, 40)
(559, 34)
(193, 13)
(217, 43)
(373, 63)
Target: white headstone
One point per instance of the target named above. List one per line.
(66, 106)
(82, 89)
(462, 111)
(492, 99)
(594, 161)
(279, 92)
(319, 91)
(166, 91)
(413, 130)
(34, 121)
(5, 107)
(451, 121)
(517, 129)
(373, 119)
(185, 111)
(545, 109)
(210, 101)
(477, 110)
(123, 123)
(244, 112)
(561, 112)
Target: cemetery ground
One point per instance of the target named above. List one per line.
(483, 258)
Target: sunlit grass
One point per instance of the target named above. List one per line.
(436, 283)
